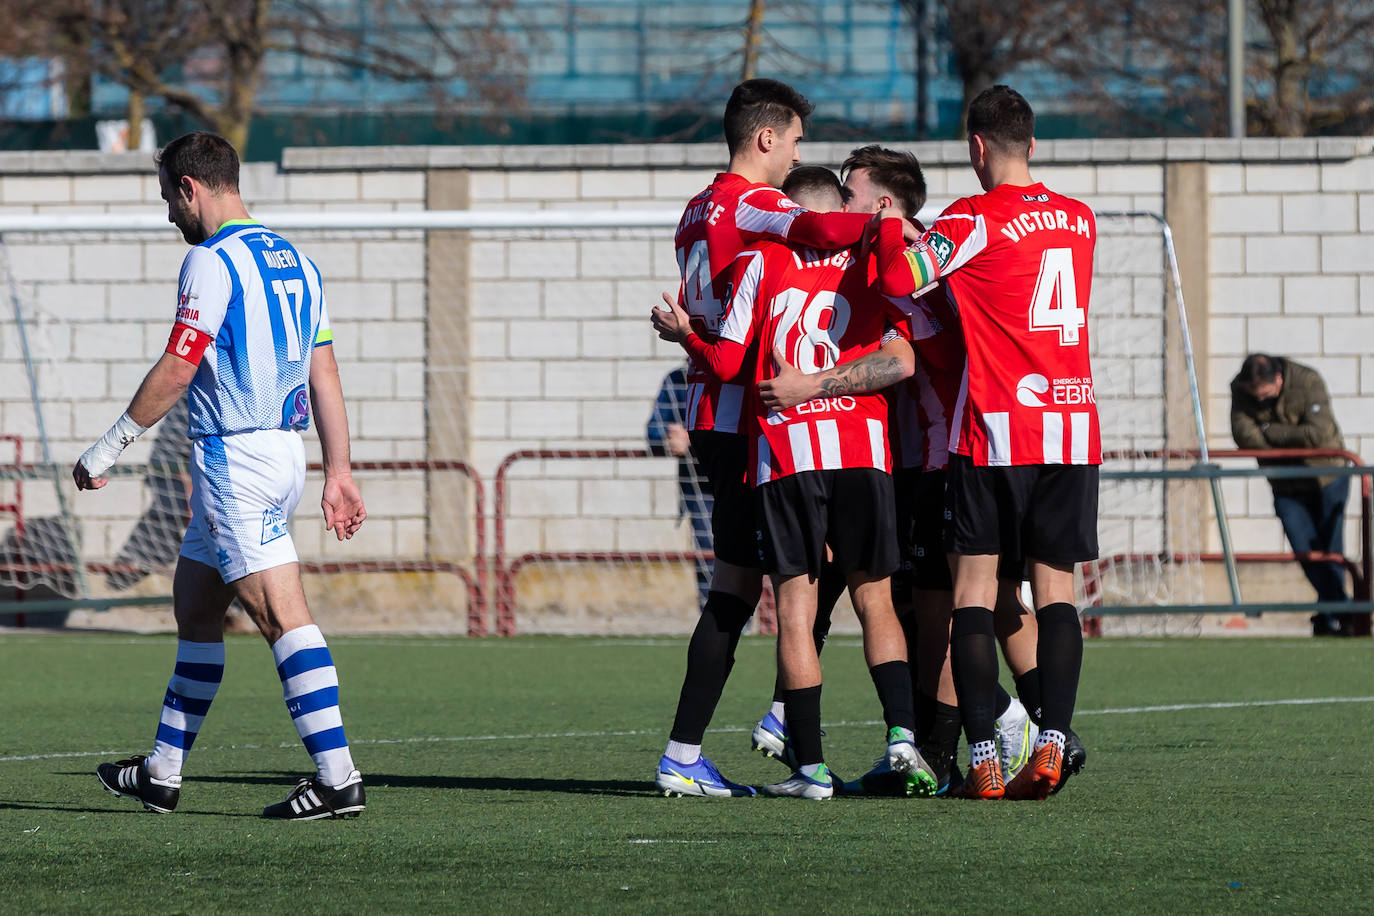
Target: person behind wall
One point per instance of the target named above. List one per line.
(1277, 403)
(667, 435)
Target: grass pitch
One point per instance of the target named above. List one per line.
(515, 775)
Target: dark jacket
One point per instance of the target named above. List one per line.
(1300, 417)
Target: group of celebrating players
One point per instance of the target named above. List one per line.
(904, 412)
(826, 333)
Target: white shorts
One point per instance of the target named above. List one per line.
(243, 490)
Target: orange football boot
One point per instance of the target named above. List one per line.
(1039, 777)
(985, 780)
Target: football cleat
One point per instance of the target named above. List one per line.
(1015, 735)
(1075, 758)
(770, 738)
(1040, 776)
(904, 758)
(948, 778)
(881, 781)
(312, 800)
(130, 778)
(699, 778)
(803, 786)
(985, 781)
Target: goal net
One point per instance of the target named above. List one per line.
(1151, 528)
(506, 399)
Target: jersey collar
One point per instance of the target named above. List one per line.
(233, 224)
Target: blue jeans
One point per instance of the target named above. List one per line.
(1314, 520)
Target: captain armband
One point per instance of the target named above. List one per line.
(188, 343)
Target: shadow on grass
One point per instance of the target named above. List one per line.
(286, 779)
(131, 807)
(474, 783)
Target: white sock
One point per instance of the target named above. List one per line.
(683, 753)
(983, 750)
(1048, 737)
(195, 680)
(812, 771)
(779, 711)
(310, 686)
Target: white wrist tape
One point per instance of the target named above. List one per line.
(101, 456)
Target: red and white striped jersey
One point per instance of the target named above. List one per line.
(731, 214)
(1017, 262)
(818, 309)
(921, 408)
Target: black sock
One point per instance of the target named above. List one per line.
(973, 655)
(1003, 700)
(710, 656)
(1028, 692)
(1059, 656)
(804, 723)
(925, 707)
(944, 733)
(893, 680)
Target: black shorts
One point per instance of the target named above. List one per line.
(905, 482)
(850, 509)
(1044, 512)
(929, 562)
(724, 457)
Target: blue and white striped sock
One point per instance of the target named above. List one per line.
(310, 686)
(195, 679)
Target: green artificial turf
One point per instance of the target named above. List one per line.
(515, 775)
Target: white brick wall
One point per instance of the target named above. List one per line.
(561, 353)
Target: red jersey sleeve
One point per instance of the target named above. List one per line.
(767, 213)
(723, 359)
(956, 236)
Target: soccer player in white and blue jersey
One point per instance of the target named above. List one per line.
(251, 351)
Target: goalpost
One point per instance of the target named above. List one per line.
(501, 373)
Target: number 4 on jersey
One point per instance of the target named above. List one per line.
(1054, 307)
(697, 289)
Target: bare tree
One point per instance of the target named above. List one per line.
(991, 38)
(1313, 61)
(206, 57)
(1161, 65)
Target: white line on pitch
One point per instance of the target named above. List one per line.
(637, 732)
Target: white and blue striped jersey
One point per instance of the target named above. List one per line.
(263, 303)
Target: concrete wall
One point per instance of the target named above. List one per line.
(544, 333)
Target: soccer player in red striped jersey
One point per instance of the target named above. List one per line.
(821, 477)
(743, 205)
(1017, 262)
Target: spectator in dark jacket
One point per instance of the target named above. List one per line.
(1279, 403)
(667, 435)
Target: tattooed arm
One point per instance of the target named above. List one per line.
(892, 363)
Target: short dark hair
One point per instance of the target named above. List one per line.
(1003, 118)
(206, 157)
(894, 171)
(812, 179)
(759, 103)
(1260, 369)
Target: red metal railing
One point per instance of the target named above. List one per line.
(491, 579)
(475, 580)
(505, 573)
